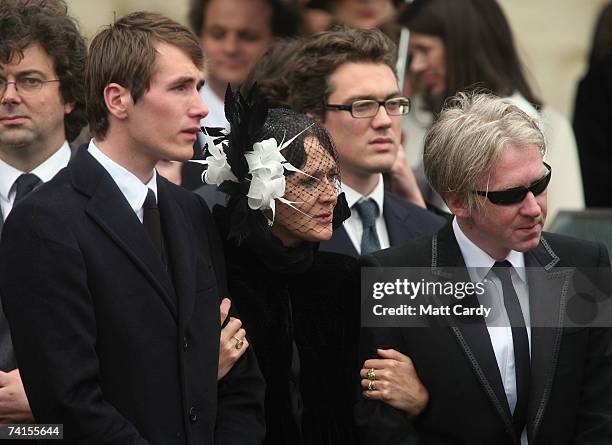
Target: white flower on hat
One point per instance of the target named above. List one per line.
(218, 170)
(265, 156)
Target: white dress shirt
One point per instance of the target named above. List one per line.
(131, 187)
(479, 265)
(216, 109)
(45, 171)
(353, 225)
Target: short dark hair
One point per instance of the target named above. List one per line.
(284, 23)
(47, 23)
(124, 53)
(478, 45)
(323, 53)
(271, 73)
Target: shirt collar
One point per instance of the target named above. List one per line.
(131, 187)
(45, 171)
(478, 262)
(378, 195)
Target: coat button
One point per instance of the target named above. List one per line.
(193, 415)
(185, 344)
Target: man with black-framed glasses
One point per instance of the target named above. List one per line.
(540, 369)
(42, 107)
(345, 78)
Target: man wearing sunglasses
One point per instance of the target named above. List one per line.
(531, 374)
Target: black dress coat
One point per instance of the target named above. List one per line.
(405, 222)
(109, 343)
(302, 323)
(570, 398)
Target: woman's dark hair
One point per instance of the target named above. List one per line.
(283, 124)
(46, 22)
(271, 73)
(478, 45)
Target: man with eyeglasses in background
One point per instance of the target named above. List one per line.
(540, 369)
(42, 107)
(345, 78)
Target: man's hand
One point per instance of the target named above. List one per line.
(232, 343)
(394, 381)
(14, 405)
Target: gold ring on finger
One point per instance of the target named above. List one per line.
(371, 374)
(371, 386)
(239, 342)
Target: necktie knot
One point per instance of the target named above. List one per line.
(368, 212)
(25, 184)
(502, 269)
(150, 202)
(152, 222)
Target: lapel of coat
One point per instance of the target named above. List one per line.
(400, 226)
(1, 222)
(110, 210)
(179, 248)
(548, 287)
(448, 264)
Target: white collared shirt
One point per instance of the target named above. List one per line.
(479, 265)
(45, 171)
(353, 225)
(216, 109)
(131, 187)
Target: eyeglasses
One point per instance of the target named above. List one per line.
(25, 85)
(517, 194)
(369, 107)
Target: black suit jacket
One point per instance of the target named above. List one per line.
(405, 222)
(570, 397)
(7, 354)
(108, 342)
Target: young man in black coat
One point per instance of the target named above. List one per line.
(121, 272)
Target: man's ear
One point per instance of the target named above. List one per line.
(118, 100)
(457, 206)
(68, 108)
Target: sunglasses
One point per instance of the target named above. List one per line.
(517, 194)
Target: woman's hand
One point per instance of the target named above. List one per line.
(232, 343)
(393, 380)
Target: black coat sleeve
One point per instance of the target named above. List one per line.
(376, 421)
(240, 414)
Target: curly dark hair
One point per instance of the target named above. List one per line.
(47, 23)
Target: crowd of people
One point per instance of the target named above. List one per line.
(189, 219)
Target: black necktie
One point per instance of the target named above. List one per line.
(521, 344)
(152, 222)
(24, 186)
(367, 210)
